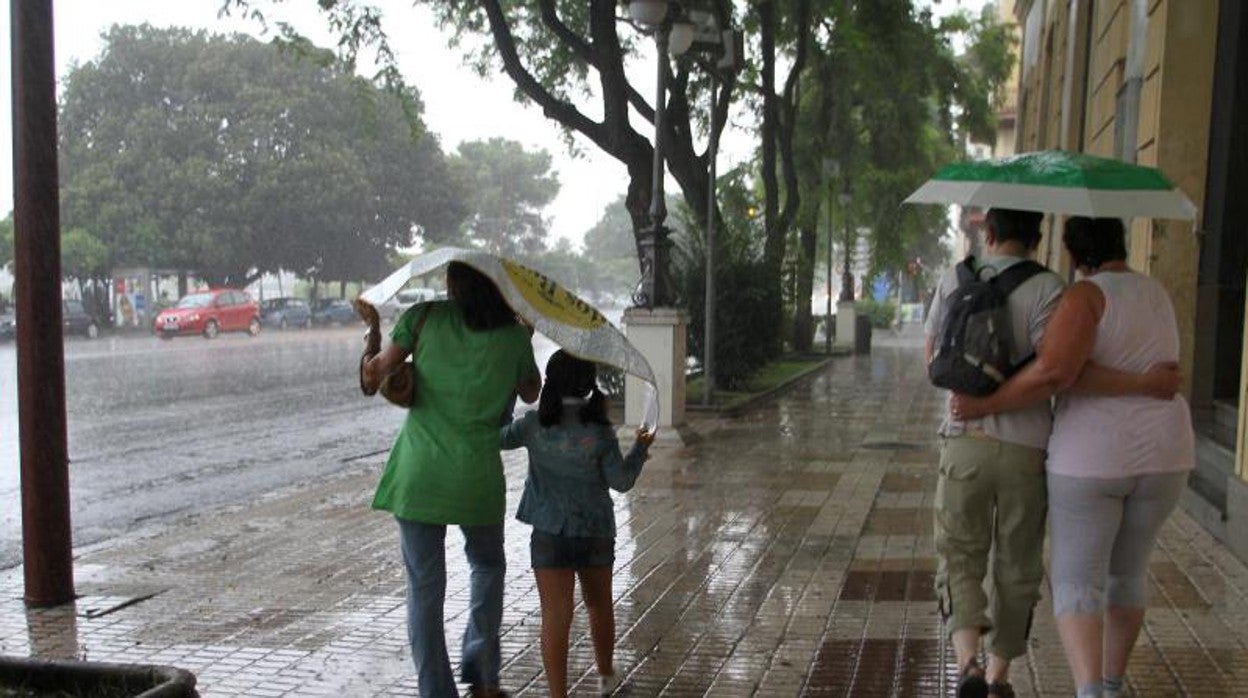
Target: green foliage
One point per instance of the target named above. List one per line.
(6, 240)
(611, 238)
(746, 324)
(896, 144)
(881, 313)
(83, 256)
(229, 158)
(568, 58)
(506, 188)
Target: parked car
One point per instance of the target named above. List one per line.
(209, 313)
(77, 320)
(74, 318)
(334, 311)
(393, 308)
(411, 296)
(285, 312)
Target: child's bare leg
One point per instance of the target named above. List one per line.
(596, 590)
(554, 587)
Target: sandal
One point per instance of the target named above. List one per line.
(971, 682)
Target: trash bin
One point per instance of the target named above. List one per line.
(862, 334)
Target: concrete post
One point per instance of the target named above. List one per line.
(660, 335)
(846, 324)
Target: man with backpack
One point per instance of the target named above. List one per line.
(987, 317)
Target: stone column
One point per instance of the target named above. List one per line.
(660, 335)
(846, 324)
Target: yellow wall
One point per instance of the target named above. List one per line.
(1183, 33)
(1173, 129)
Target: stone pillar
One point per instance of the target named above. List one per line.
(846, 324)
(660, 335)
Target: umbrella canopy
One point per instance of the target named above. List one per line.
(1058, 181)
(554, 311)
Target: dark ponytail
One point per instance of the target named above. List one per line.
(570, 377)
(595, 411)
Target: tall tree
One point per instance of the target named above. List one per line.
(891, 101)
(609, 251)
(229, 157)
(567, 57)
(507, 188)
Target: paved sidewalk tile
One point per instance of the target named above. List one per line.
(784, 552)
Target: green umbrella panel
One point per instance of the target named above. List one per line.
(1056, 181)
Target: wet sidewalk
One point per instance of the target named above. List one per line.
(784, 552)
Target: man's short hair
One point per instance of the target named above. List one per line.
(1011, 224)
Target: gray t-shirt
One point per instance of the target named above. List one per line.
(1030, 304)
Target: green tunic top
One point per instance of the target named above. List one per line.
(444, 467)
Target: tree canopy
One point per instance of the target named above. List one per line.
(569, 58)
(877, 86)
(229, 157)
(505, 190)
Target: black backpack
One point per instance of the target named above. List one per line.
(976, 339)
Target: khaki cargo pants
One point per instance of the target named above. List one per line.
(990, 498)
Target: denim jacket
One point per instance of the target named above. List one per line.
(571, 466)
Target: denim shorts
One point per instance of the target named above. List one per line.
(550, 550)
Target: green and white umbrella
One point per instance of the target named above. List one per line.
(1058, 181)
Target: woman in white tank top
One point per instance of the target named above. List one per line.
(1120, 449)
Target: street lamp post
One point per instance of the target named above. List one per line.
(658, 330)
(654, 245)
(847, 276)
(655, 16)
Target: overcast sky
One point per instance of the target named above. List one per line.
(459, 105)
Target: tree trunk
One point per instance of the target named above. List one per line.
(803, 323)
(181, 283)
(773, 244)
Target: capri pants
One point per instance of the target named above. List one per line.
(1101, 532)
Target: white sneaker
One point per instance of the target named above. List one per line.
(608, 683)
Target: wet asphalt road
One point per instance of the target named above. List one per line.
(163, 428)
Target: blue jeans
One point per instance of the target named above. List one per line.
(424, 557)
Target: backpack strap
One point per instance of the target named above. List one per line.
(967, 273)
(1016, 275)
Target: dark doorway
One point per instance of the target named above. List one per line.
(1223, 261)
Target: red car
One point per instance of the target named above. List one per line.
(209, 313)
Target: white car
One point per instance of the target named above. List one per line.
(393, 308)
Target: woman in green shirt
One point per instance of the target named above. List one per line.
(471, 357)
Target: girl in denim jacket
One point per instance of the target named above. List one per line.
(574, 458)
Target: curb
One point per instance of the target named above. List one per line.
(735, 408)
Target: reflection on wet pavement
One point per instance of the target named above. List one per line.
(784, 552)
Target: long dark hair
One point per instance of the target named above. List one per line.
(570, 377)
(478, 298)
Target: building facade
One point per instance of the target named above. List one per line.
(1164, 83)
